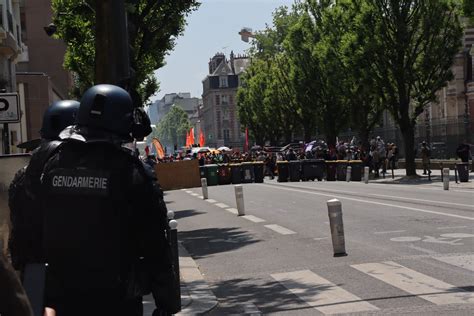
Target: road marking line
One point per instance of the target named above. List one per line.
(390, 232)
(384, 196)
(232, 210)
(320, 238)
(408, 280)
(371, 202)
(200, 196)
(431, 252)
(211, 201)
(251, 309)
(189, 192)
(279, 229)
(254, 219)
(222, 205)
(464, 261)
(321, 294)
(452, 227)
(194, 194)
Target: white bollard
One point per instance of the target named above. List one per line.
(348, 173)
(239, 198)
(446, 178)
(337, 227)
(170, 215)
(205, 195)
(366, 174)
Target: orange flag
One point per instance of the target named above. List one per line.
(160, 152)
(187, 139)
(191, 136)
(202, 140)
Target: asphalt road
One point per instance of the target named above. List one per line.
(410, 248)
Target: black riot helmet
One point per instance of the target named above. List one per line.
(107, 108)
(57, 117)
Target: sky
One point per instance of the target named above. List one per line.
(213, 28)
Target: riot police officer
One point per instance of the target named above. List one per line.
(25, 236)
(104, 215)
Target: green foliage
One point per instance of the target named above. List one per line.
(153, 29)
(172, 128)
(415, 43)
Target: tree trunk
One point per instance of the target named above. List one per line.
(364, 139)
(307, 133)
(408, 134)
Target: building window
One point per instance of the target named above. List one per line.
(231, 99)
(219, 124)
(218, 99)
(226, 134)
(224, 100)
(223, 82)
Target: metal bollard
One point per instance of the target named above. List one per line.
(173, 239)
(366, 174)
(170, 215)
(456, 173)
(239, 198)
(446, 178)
(348, 173)
(337, 227)
(205, 195)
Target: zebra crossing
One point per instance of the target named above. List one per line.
(328, 298)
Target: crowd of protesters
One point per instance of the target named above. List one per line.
(379, 157)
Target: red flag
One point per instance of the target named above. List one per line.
(191, 136)
(202, 139)
(246, 145)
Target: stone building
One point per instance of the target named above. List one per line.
(218, 114)
(41, 76)
(11, 49)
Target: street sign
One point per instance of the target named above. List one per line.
(9, 108)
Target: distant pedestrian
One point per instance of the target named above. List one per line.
(425, 157)
(464, 151)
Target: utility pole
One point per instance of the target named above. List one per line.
(112, 62)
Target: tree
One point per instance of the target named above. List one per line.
(365, 96)
(415, 43)
(172, 128)
(153, 29)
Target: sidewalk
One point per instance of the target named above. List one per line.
(399, 178)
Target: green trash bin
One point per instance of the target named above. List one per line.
(312, 169)
(295, 170)
(211, 175)
(236, 172)
(258, 170)
(331, 169)
(463, 171)
(283, 171)
(224, 174)
(248, 175)
(341, 172)
(357, 167)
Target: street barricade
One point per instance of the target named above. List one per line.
(312, 169)
(236, 171)
(258, 168)
(331, 170)
(224, 174)
(248, 175)
(283, 171)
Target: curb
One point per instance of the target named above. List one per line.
(196, 298)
